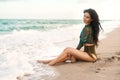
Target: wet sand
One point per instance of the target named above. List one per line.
(106, 68)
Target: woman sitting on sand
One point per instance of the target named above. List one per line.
(88, 40)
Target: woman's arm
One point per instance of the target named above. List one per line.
(79, 46)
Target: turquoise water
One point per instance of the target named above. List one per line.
(9, 25)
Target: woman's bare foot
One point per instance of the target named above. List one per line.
(44, 61)
(51, 64)
(73, 59)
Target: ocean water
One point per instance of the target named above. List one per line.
(23, 41)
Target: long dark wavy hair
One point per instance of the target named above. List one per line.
(96, 26)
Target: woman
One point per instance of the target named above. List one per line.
(88, 40)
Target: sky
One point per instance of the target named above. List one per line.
(57, 9)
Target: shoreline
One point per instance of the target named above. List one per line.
(106, 68)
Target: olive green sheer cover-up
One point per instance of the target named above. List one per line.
(87, 38)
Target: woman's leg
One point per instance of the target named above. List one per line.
(80, 55)
(68, 57)
(44, 61)
(71, 58)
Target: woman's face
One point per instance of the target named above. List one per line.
(87, 18)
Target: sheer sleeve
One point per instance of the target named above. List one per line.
(84, 37)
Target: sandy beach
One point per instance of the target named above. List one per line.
(106, 68)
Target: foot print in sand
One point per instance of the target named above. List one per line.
(117, 58)
(113, 58)
(102, 63)
(97, 70)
